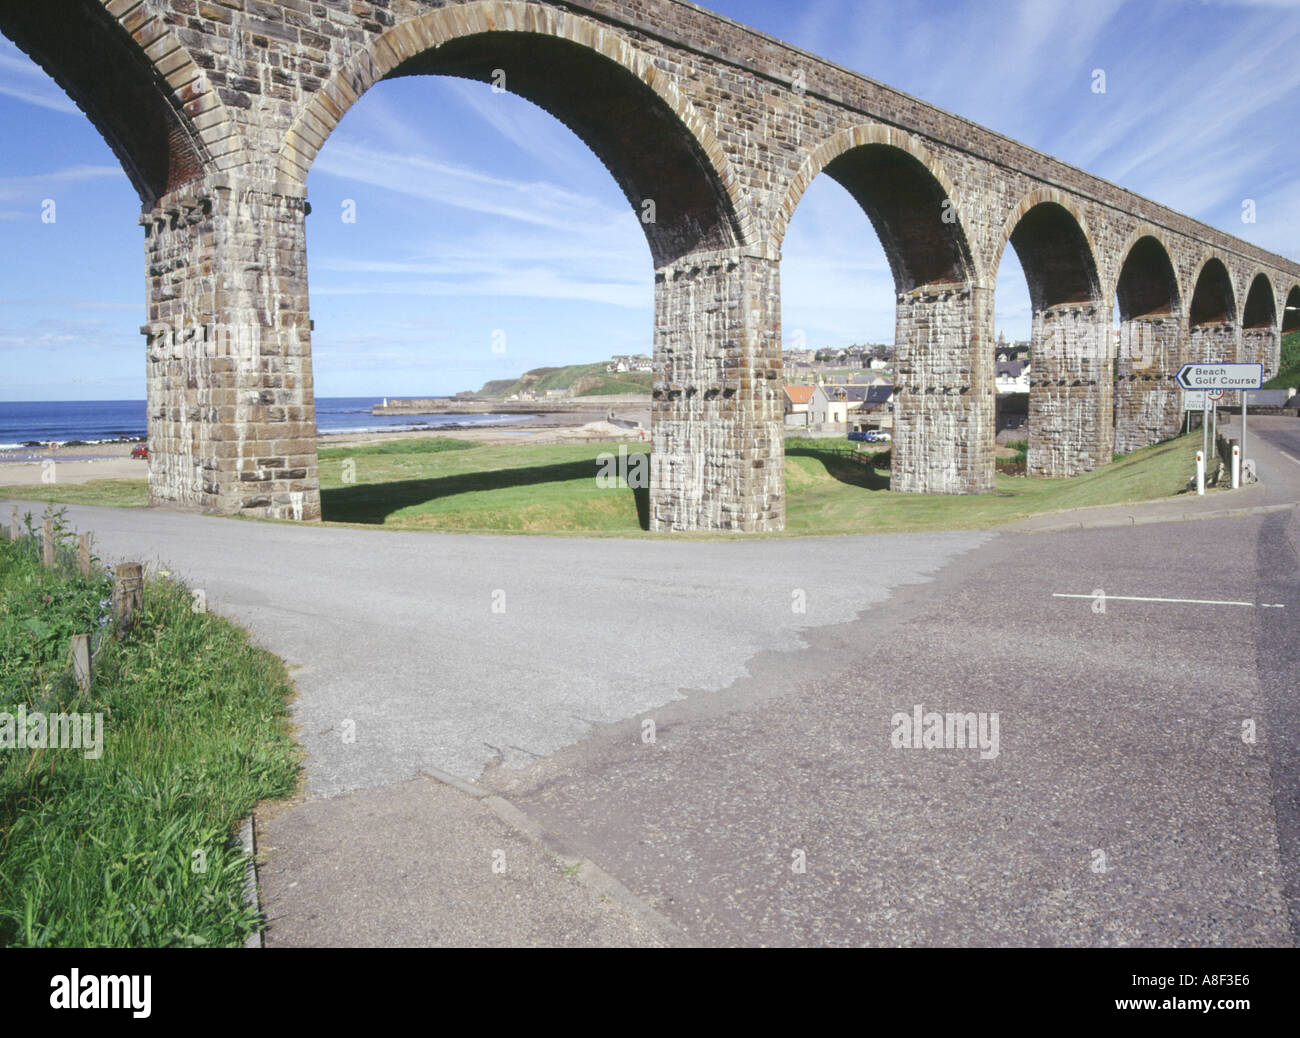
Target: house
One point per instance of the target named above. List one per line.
(876, 411)
(797, 399)
(623, 363)
(1013, 376)
(557, 394)
(833, 405)
(829, 405)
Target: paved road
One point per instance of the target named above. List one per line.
(1123, 806)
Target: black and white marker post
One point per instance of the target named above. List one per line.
(1245, 396)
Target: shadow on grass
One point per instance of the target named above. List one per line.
(373, 503)
(840, 465)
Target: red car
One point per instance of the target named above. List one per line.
(140, 451)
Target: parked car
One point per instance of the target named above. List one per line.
(875, 436)
(860, 437)
(140, 451)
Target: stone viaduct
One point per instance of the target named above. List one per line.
(217, 108)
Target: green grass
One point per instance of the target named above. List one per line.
(519, 488)
(1288, 370)
(115, 493)
(441, 484)
(427, 445)
(595, 382)
(524, 488)
(133, 848)
(825, 494)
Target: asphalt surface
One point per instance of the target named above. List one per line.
(1123, 806)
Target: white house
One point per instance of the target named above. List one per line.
(1013, 376)
(829, 405)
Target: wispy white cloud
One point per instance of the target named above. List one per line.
(432, 180)
(23, 80)
(28, 187)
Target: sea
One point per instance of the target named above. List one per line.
(76, 422)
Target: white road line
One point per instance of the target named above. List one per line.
(1178, 601)
(1290, 457)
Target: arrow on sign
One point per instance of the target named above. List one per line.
(1221, 376)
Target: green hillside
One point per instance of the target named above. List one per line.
(582, 379)
(1288, 371)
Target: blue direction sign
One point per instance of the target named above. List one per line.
(1221, 376)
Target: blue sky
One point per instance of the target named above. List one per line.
(477, 212)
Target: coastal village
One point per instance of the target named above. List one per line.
(827, 393)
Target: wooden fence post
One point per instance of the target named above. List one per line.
(83, 554)
(128, 594)
(47, 544)
(81, 661)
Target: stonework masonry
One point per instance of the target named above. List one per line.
(218, 108)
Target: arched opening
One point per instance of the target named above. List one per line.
(1291, 315)
(941, 423)
(623, 121)
(906, 204)
(97, 63)
(1212, 316)
(455, 254)
(1070, 403)
(651, 145)
(1259, 326)
(1013, 332)
(1148, 403)
(92, 131)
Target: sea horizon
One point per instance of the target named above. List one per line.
(29, 423)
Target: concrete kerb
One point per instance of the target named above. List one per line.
(248, 839)
(1135, 520)
(586, 872)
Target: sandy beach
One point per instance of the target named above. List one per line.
(81, 463)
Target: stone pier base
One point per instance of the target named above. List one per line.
(716, 416)
(1071, 411)
(944, 403)
(232, 422)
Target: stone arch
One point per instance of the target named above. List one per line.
(1055, 246)
(1259, 325)
(704, 207)
(1145, 281)
(1260, 307)
(1151, 348)
(899, 183)
(1070, 397)
(1213, 296)
(943, 364)
(138, 85)
(1213, 331)
(1291, 311)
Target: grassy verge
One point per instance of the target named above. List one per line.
(441, 484)
(822, 498)
(1288, 369)
(114, 493)
(132, 848)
